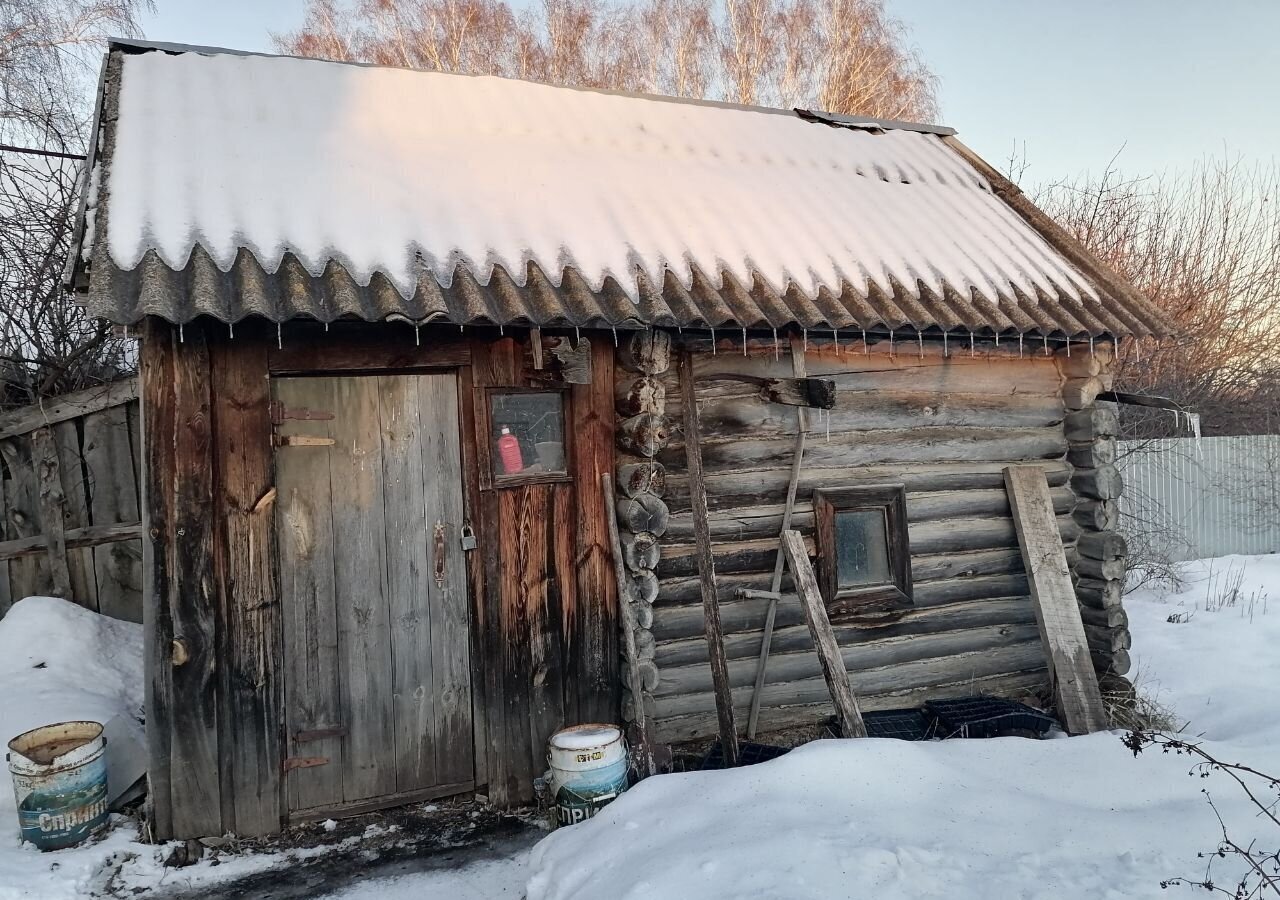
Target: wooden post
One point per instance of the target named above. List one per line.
(44, 454)
(824, 639)
(706, 565)
(802, 431)
(628, 628)
(1075, 684)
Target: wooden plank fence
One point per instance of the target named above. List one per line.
(69, 488)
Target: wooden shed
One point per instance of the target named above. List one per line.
(396, 325)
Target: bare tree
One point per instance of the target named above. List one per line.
(844, 56)
(47, 49)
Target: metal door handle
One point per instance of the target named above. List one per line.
(440, 554)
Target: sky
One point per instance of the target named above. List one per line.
(1068, 83)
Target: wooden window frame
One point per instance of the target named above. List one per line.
(484, 448)
(873, 599)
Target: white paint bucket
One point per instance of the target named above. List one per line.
(588, 770)
(60, 783)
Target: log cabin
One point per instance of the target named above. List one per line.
(394, 327)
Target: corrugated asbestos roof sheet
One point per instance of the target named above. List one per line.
(487, 201)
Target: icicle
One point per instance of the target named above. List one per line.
(181, 338)
(1091, 345)
(891, 342)
(1193, 424)
(865, 348)
(326, 327)
(1019, 345)
(461, 327)
(944, 345)
(577, 337)
(1046, 344)
(805, 332)
(1068, 348)
(279, 338)
(124, 332)
(417, 338)
(835, 339)
(1137, 350)
(713, 341)
(615, 335)
(777, 350)
(920, 341)
(744, 342)
(997, 339)
(501, 333)
(971, 345)
(828, 417)
(231, 331)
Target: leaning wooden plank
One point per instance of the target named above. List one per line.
(802, 429)
(824, 639)
(706, 566)
(44, 454)
(629, 628)
(1075, 683)
(68, 406)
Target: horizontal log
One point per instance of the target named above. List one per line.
(1085, 364)
(644, 588)
(743, 523)
(1107, 640)
(1102, 545)
(1117, 663)
(644, 435)
(676, 622)
(1108, 570)
(729, 417)
(1084, 425)
(642, 478)
(1022, 657)
(643, 395)
(879, 371)
(870, 448)
(1112, 617)
(744, 489)
(647, 352)
(915, 621)
(1093, 454)
(649, 675)
(68, 406)
(643, 512)
(1097, 515)
(89, 536)
(695, 726)
(1102, 483)
(1098, 593)
(802, 663)
(640, 551)
(1080, 393)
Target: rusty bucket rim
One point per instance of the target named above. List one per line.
(54, 767)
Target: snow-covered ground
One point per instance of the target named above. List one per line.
(996, 818)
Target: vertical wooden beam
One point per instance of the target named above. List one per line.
(706, 564)
(180, 601)
(824, 639)
(250, 649)
(1075, 683)
(44, 456)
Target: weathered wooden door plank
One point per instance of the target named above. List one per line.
(113, 499)
(308, 598)
(75, 513)
(360, 580)
(451, 736)
(1075, 682)
(409, 527)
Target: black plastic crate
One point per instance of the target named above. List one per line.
(984, 717)
(903, 724)
(748, 754)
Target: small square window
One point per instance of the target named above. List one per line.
(527, 436)
(864, 557)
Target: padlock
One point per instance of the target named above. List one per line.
(467, 537)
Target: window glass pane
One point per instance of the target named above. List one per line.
(862, 548)
(527, 434)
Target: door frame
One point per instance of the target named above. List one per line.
(369, 350)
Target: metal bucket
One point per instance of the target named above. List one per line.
(588, 770)
(60, 781)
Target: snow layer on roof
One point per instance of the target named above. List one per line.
(389, 170)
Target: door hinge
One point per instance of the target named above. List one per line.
(304, 762)
(281, 413)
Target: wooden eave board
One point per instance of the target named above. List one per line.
(1075, 683)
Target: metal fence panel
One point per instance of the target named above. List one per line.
(1190, 498)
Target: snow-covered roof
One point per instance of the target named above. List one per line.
(374, 191)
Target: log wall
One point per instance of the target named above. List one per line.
(943, 423)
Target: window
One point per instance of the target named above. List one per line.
(527, 436)
(864, 558)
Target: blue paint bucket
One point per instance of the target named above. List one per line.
(588, 770)
(60, 781)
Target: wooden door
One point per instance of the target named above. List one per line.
(373, 590)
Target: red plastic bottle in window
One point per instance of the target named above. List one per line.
(509, 450)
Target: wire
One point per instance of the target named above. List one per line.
(54, 153)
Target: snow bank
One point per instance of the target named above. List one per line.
(59, 662)
(1077, 817)
(388, 170)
